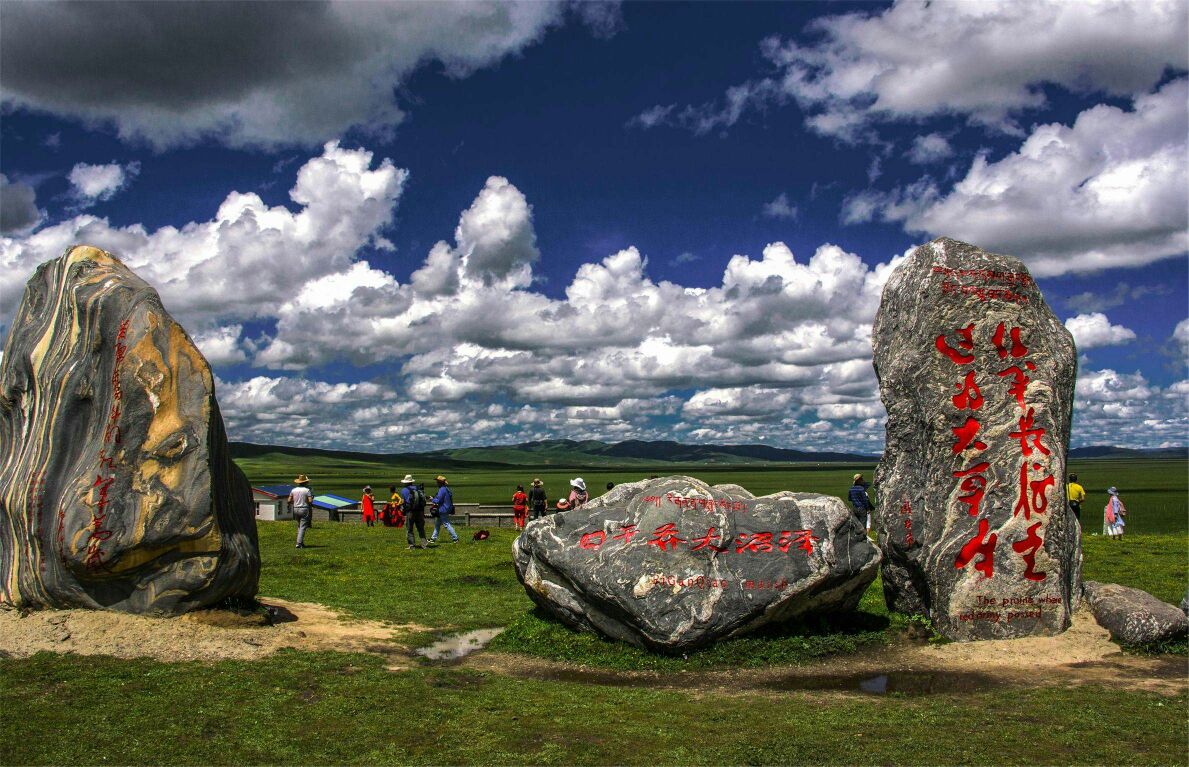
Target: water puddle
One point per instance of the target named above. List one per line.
(898, 682)
(871, 683)
(457, 646)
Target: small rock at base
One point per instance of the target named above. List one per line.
(1133, 616)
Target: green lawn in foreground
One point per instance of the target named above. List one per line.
(328, 708)
(1156, 492)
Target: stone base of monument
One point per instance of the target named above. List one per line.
(1134, 617)
(673, 563)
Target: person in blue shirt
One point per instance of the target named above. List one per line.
(442, 505)
(860, 503)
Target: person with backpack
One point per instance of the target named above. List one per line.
(413, 504)
(860, 502)
(537, 500)
(443, 505)
(519, 507)
(578, 494)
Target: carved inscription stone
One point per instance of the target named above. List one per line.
(977, 375)
(116, 487)
(673, 563)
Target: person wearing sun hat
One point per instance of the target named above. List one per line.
(413, 502)
(578, 494)
(300, 498)
(537, 500)
(860, 503)
(443, 505)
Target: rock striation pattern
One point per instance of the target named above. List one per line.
(116, 487)
(673, 563)
(977, 376)
(1134, 617)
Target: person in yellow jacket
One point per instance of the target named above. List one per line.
(1076, 495)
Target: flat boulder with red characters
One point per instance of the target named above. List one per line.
(977, 376)
(673, 563)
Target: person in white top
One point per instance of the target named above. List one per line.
(299, 498)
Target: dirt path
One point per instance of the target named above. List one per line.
(203, 635)
(1082, 655)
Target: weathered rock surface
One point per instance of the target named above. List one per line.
(977, 375)
(673, 563)
(116, 487)
(1132, 616)
(1185, 602)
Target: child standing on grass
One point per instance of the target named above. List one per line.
(369, 507)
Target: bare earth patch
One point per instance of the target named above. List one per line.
(1082, 655)
(204, 635)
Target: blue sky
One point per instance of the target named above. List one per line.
(398, 227)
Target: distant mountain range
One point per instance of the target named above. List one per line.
(567, 452)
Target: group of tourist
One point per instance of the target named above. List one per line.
(405, 507)
(536, 500)
(1114, 514)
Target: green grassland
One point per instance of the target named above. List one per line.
(331, 708)
(1156, 491)
(339, 708)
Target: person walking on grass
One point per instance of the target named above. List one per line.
(300, 498)
(519, 507)
(1114, 515)
(369, 506)
(442, 505)
(860, 502)
(412, 501)
(537, 500)
(1077, 495)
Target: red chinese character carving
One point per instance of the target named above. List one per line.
(1020, 385)
(968, 396)
(974, 485)
(905, 506)
(964, 435)
(967, 343)
(1029, 431)
(976, 546)
(1027, 548)
(1033, 494)
(1017, 347)
(593, 540)
(754, 542)
(804, 539)
(705, 542)
(626, 533)
(665, 536)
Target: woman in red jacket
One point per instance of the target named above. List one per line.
(519, 506)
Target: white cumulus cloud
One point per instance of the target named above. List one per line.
(1093, 330)
(95, 183)
(1110, 190)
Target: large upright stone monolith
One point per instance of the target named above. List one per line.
(116, 487)
(977, 375)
